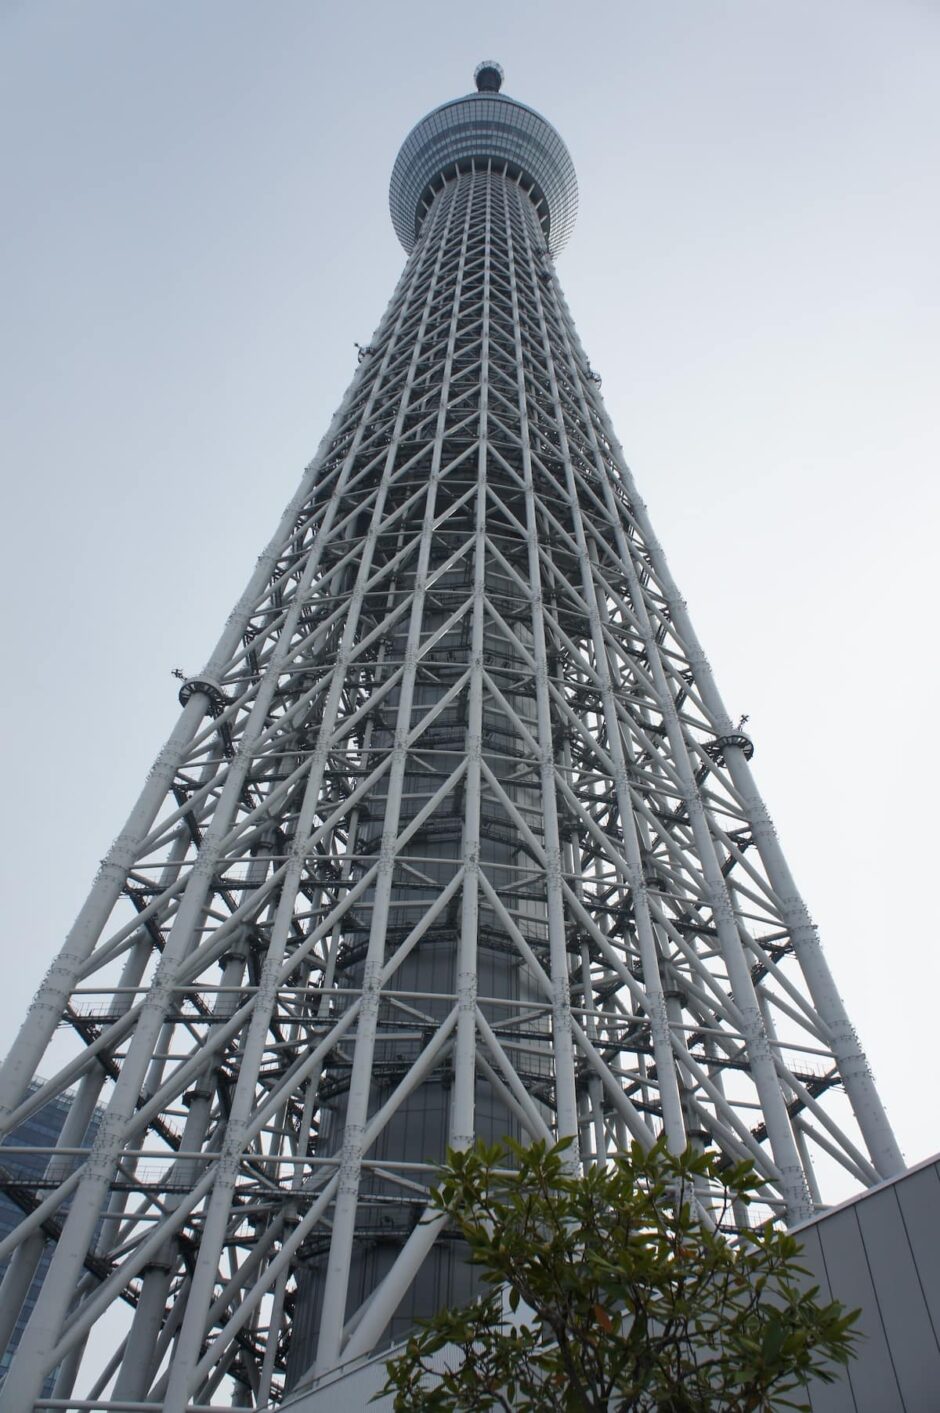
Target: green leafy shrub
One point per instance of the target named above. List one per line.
(610, 1291)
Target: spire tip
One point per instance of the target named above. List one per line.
(488, 76)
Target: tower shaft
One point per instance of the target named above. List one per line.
(454, 839)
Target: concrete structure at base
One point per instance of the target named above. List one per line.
(879, 1252)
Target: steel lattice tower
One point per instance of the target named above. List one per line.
(453, 837)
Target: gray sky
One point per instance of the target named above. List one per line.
(196, 231)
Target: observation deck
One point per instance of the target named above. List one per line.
(483, 126)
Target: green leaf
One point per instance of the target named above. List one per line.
(774, 1337)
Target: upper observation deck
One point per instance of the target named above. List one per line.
(467, 131)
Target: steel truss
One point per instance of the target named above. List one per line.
(455, 810)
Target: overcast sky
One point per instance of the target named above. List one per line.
(196, 232)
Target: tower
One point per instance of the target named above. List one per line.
(453, 837)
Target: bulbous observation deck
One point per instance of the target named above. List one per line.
(467, 131)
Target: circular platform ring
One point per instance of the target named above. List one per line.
(736, 740)
(218, 701)
(484, 126)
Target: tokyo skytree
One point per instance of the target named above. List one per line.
(453, 839)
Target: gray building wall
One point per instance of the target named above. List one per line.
(880, 1252)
